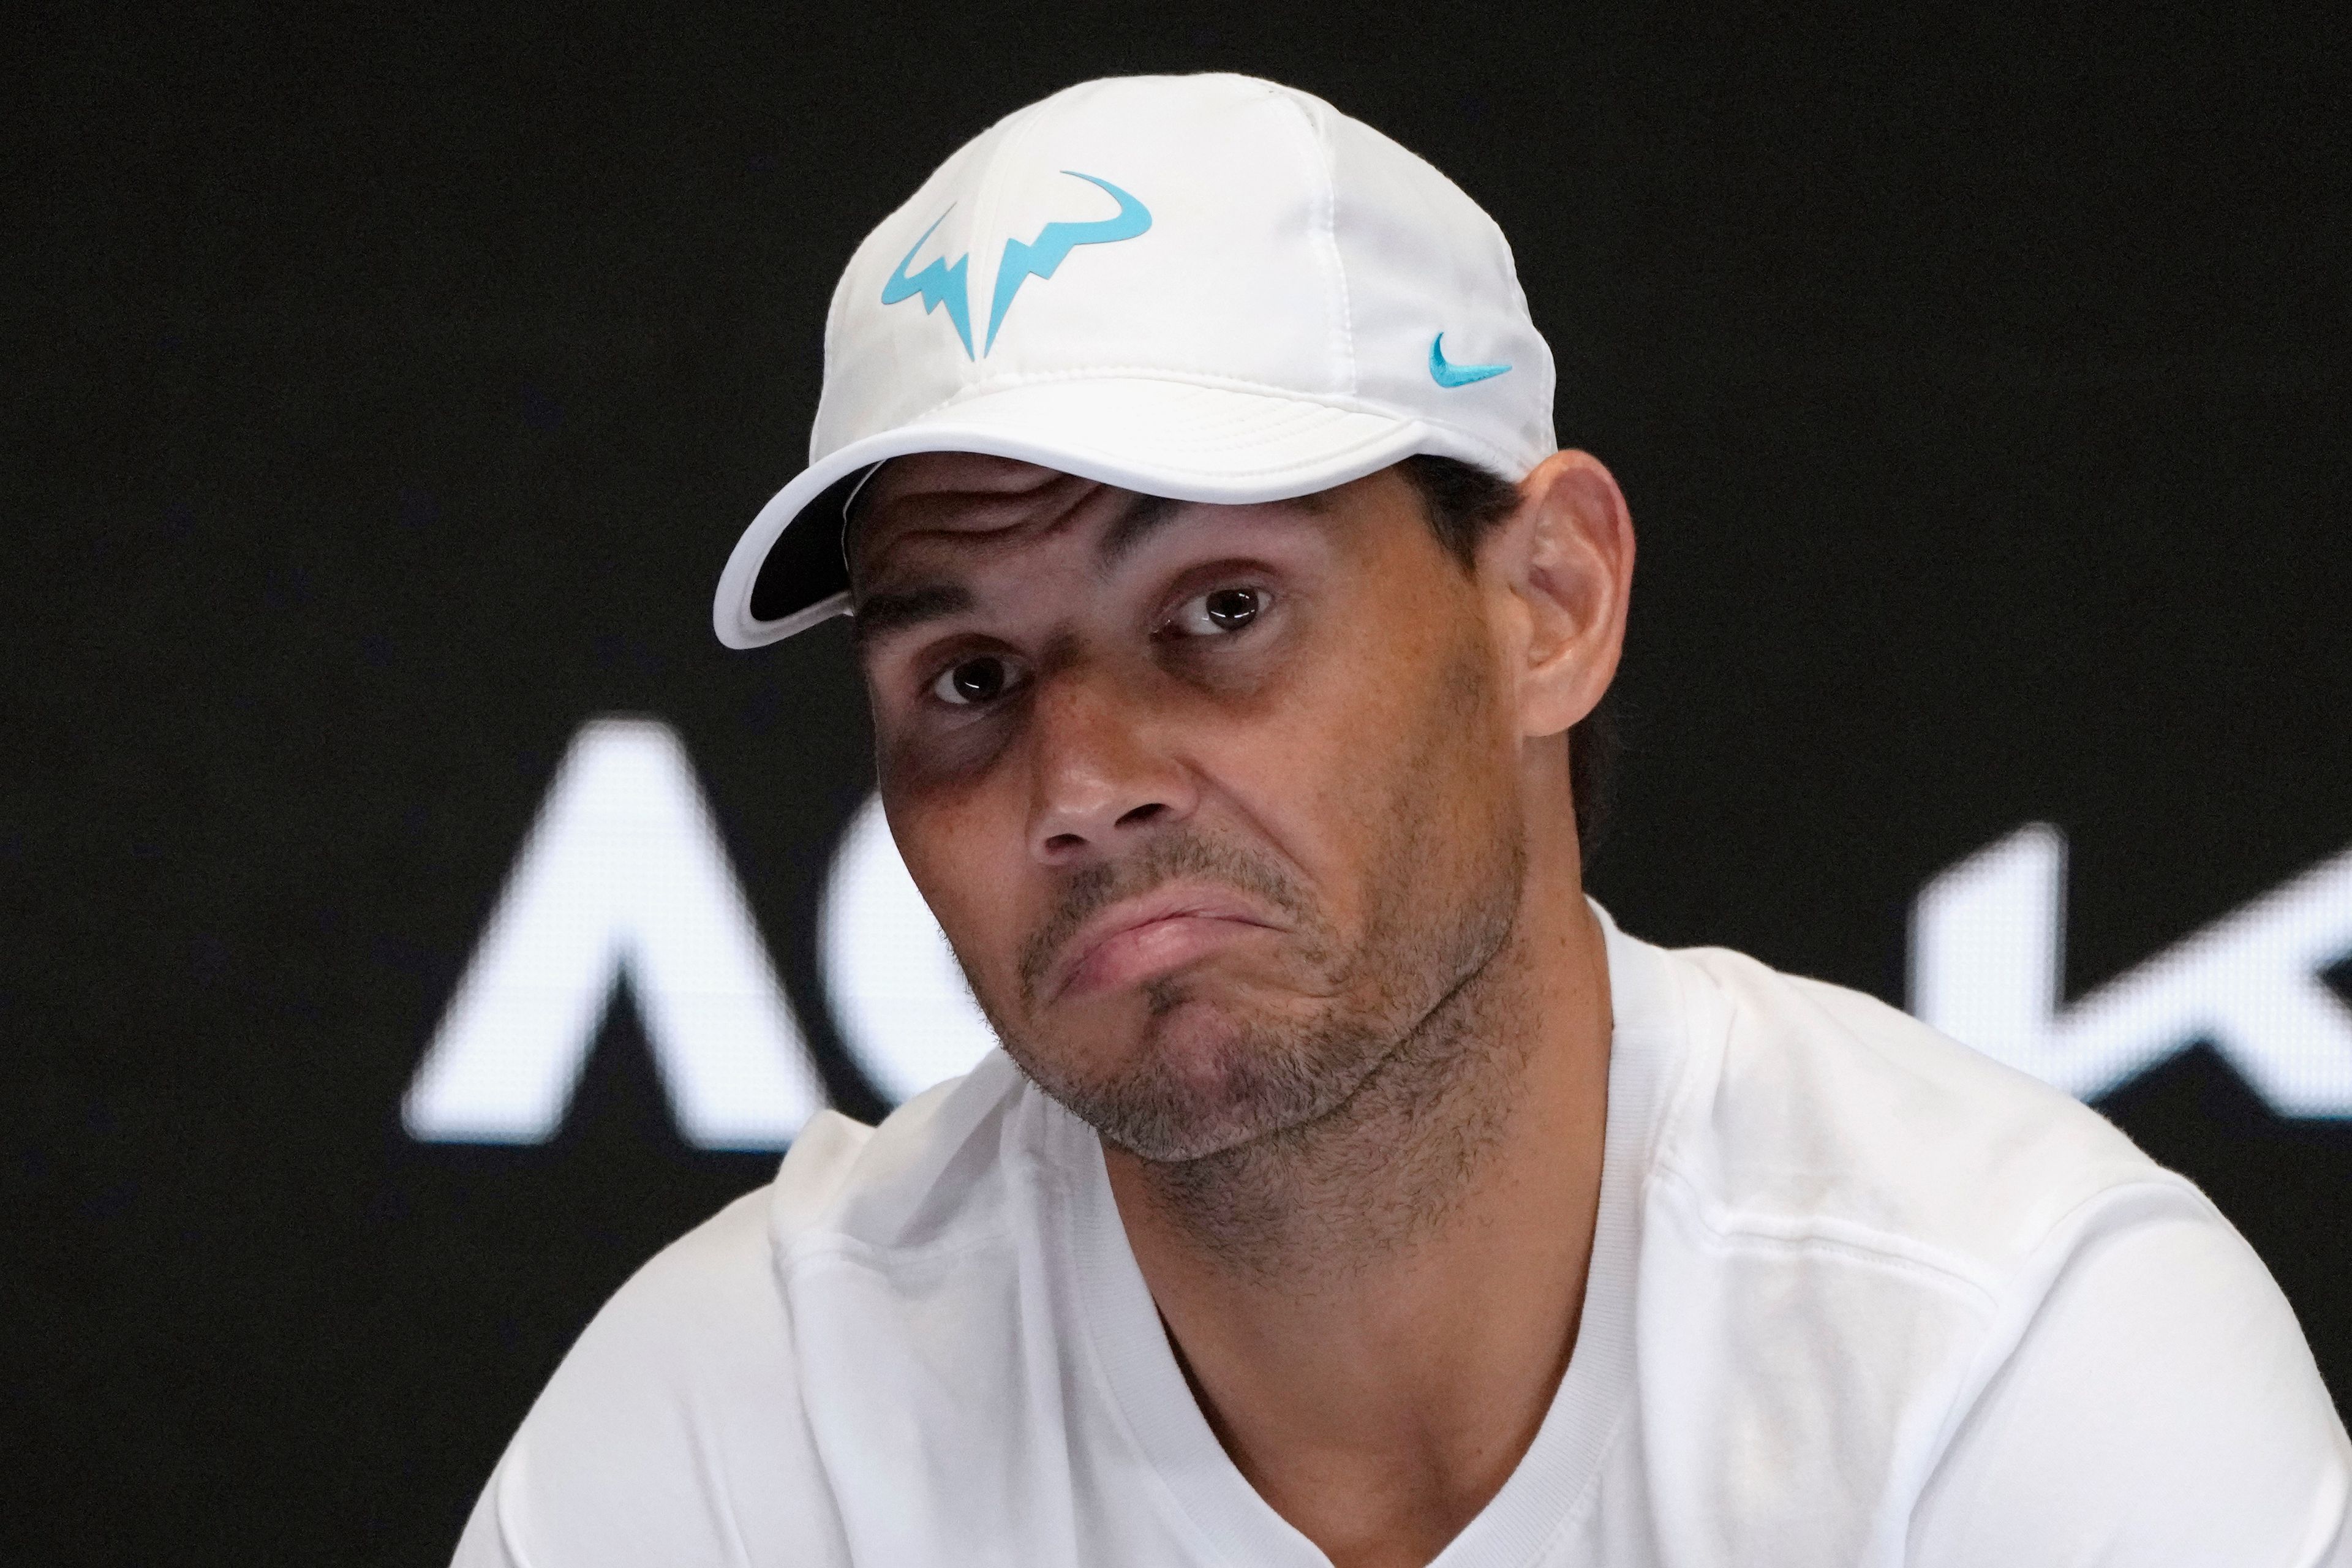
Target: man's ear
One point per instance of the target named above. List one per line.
(1563, 565)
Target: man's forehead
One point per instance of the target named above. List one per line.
(978, 475)
(951, 497)
(958, 493)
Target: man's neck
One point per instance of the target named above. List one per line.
(1374, 1311)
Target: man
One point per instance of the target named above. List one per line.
(1350, 1189)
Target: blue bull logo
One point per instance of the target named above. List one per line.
(943, 282)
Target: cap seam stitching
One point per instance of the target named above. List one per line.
(1338, 258)
(1327, 226)
(1353, 403)
(1350, 404)
(1218, 380)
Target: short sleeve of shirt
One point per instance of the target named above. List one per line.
(2161, 1408)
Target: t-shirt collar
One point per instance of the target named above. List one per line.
(1134, 1367)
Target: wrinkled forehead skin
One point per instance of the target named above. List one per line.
(953, 493)
(925, 523)
(950, 497)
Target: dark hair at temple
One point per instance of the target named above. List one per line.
(1463, 501)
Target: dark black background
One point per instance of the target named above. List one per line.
(384, 394)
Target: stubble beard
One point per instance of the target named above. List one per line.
(1299, 1147)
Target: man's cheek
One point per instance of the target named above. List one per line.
(910, 768)
(971, 899)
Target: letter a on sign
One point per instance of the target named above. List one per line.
(623, 874)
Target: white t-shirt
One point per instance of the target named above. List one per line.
(1858, 1296)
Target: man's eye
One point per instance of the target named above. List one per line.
(973, 681)
(1220, 612)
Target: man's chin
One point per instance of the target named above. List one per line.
(1198, 1078)
(1165, 1129)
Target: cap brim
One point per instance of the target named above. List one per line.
(1186, 440)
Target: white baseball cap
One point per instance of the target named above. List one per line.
(1209, 288)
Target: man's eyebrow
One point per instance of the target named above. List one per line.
(1146, 514)
(1131, 528)
(891, 611)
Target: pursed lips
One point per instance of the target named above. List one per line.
(1159, 920)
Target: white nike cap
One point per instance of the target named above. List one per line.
(1209, 288)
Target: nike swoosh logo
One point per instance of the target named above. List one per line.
(1038, 257)
(939, 284)
(1447, 374)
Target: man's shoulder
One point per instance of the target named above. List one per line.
(670, 1427)
(1817, 1114)
(930, 1174)
(936, 1172)
(682, 1422)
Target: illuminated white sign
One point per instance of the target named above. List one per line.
(623, 874)
(1988, 965)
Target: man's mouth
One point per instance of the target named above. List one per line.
(1141, 938)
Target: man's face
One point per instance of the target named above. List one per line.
(1215, 804)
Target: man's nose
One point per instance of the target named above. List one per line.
(1103, 772)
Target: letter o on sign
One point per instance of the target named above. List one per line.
(898, 995)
